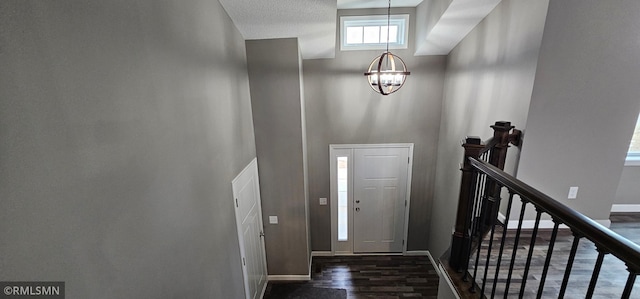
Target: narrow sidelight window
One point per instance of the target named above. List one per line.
(343, 206)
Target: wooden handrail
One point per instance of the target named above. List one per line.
(605, 239)
(488, 145)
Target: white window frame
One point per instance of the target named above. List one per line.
(400, 20)
(633, 158)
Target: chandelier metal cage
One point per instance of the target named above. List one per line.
(387, 72)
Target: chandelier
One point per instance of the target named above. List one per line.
(387, 72)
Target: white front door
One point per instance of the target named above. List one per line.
(370, 197)
(380, 188)
(246, 193)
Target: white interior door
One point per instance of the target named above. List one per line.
(246, 192)
(379, 199)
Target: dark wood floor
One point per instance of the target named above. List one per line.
(415, 277)
(612, 277)
(388, 277)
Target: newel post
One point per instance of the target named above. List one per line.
(497, 157)
(501, 133)
(461, 239)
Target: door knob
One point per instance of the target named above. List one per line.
(358, 201)
(261, 234)
(357, 209)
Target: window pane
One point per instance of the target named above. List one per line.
(635, 140)
(343, 203)
(371, 34)
(354, 35)
(393, 34)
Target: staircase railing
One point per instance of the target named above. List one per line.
(479, 234)
(472, 210)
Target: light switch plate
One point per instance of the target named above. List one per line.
(323, 201)
(273, 219)
(573, 193)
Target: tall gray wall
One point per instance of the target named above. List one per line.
(122, 124)
(584, 103)
(341, 108)
(489, 77)
(628, 191)
(276, 100)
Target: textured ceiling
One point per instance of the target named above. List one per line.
(312, 21)
(441, 24)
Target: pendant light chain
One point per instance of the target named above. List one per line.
(388, 23)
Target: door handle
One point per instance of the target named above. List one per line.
(357, 209)
(358, 201)
(261, 234)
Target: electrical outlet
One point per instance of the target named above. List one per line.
(273, 219)
(323, 201)
(573, 193)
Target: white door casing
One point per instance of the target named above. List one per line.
(378, 197)
(248, 211)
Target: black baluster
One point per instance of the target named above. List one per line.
(475, 270)
(545, 269)
(567, 271)
(495, 205)
(530, 255)
(515, 247)
(596, 273)
(470, 217)
(504, 237)
(474, 222)
(629, 286)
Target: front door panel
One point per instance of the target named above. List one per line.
(380, 186)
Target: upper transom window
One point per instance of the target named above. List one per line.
(370, 32)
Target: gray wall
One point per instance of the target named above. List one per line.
(489, 77)
(628, 191)
(342, 108)
(122, 125)
(584, 103)
(276, 100)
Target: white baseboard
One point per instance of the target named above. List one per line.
(289, 277)
(501, 217)
(321, 253)
(625, 208)
(435, 264)
(306, 277)
(366, 254)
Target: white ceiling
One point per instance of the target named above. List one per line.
(313, 22)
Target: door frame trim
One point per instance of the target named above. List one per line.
(333, 193)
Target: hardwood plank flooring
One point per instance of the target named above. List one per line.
(611, 280)
(381, 277)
